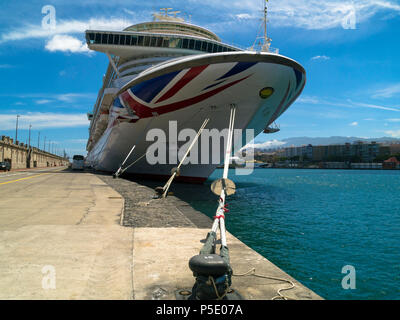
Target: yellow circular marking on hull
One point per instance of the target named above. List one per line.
(266, 92)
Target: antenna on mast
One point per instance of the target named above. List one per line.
(164, 15)
(264, 42)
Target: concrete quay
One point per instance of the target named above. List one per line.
(79, 235)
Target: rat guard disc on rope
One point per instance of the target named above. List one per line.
(218, 185)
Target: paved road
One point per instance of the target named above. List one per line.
(56, 222)
(7, 177)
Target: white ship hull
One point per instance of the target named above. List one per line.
(187, 91)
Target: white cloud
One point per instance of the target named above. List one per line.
(66, 43)
(40, 120)
(42, 101)
(393, 133)
(354, 124)
(64, 27)
(308, 99)
(373, 106)
(71, 97)
(78, 140)
(243, 16)
(320, 58)
(347, 104)
(388, 92)
(393, 120)
(63, 97)
(309, 14)
(264, 145)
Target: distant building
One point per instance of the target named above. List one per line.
(356, 152)
(394, 148)
(391, 163)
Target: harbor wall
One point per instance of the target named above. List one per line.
(21, 156)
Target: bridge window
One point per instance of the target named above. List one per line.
(91, 37)
(104, 38)
(197, 45)
(191, 44)
(116, 38)
(97, 38)
(122, 39)
(165, 43)
(110, 39)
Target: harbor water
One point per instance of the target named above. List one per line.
(312, 223)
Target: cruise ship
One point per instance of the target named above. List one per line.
(169, 70)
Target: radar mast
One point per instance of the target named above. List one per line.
(263, 43)
(165, 15)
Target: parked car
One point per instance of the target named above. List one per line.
(6, 166)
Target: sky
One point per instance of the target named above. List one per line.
(350, 50)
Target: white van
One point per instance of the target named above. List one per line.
(78, 162)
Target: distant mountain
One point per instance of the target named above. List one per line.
(299, 141)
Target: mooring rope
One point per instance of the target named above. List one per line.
(252, 272)
(168, 184)
(144, 132)
(219, 297)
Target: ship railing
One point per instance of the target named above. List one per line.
(109, 77)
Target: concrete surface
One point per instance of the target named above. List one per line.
(61, 238)
(162, 255)
(68, 222)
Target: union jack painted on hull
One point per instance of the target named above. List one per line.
(188, 90)
(146, 98)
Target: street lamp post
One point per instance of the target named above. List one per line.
(16, 129)
(29, 143)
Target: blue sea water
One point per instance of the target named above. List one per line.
(312, 223)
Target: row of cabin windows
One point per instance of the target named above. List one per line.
(164, 42)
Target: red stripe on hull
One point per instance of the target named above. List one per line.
(189, 76)
(145, 112)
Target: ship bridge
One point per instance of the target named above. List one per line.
(161, 38)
